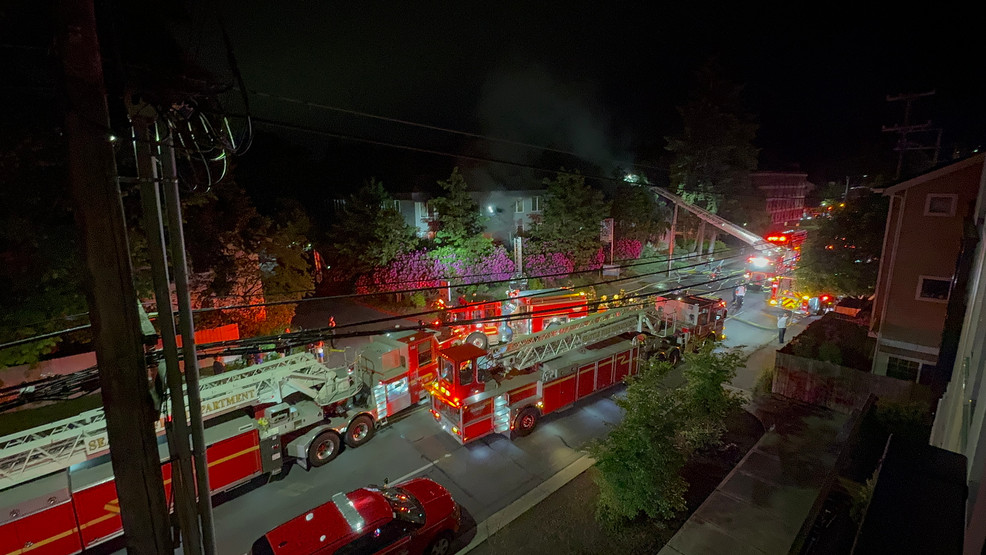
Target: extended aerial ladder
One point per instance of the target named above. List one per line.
(57, 446)
(718, 222)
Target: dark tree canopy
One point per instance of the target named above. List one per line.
(713, 156)
(369, 231)
(841, 255)
(572, 216)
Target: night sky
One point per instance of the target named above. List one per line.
(598, 80)
(603, 81)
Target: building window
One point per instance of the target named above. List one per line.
(903, 369)
(519, 205)
(535, 204)
(940, 205)
(933, 288)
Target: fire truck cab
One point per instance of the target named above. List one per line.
(399, 366)
(688, 322)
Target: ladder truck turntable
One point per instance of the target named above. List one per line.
(57, 494)
(508, 390)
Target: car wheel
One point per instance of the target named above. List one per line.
(323, 449)
(441, 545)
(478, 339)
(526, 421)
(359, 431)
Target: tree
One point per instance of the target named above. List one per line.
(705, 374)
(571, 219)
(841, 255)
(369, 231)
(640, 461)
(636, 213)
(40, 266)
(459, 218)
(714, 155)
(459, 235)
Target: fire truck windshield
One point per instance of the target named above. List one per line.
(447, 371)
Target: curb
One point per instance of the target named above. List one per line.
(498, 520)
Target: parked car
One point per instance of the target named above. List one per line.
(417, 516)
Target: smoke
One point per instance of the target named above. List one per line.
(530, 106)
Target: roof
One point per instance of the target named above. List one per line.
(326, 525)
(977, 159)
(463, 352)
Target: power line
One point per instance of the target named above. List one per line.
(433, 127)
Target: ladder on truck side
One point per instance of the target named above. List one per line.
(549, 344)
(56, 446)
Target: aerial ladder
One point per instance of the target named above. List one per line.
(59, 445)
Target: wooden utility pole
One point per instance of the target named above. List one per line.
(127, 403)
(906, 129)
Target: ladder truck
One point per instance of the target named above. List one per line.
(57, 495)
(508, 391)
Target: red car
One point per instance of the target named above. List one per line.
(417, 516)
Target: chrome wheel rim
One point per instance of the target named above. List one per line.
(324, 450)
(360, 431)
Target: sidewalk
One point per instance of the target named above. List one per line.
(782, 452)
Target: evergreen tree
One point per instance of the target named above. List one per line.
(714, 155)
(369, 231)
(571, 219)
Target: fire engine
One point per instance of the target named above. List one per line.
(528, 312)
(507, 391)
(57, 494)
(784, 294)
(769, 264)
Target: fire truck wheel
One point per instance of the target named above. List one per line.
(674, 357)
(441, 545)
(478, 339)
(359, 431)
(526, 421)
(323, 449)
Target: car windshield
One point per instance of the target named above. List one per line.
(406, 507)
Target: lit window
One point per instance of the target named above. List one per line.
(903, 369)
(940, 205)
(933, 288)
(519, 206)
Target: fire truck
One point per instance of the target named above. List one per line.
(527, 312)
(57, 494)
(479, 393)
(784, 294)
(765, 267)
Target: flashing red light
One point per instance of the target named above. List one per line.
(686, 330)
(825, 298)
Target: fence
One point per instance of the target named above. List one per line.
(838, 387)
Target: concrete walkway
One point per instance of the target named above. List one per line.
(763, 503)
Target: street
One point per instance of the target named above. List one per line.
(484, 476)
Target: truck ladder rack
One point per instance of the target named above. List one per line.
(52, 447)
(548, 344)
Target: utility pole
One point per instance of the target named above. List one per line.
(906, 128)
(127, 402)
(143, 118)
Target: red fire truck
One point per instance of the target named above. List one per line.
(479, 393)
(784, 294)
(57, 494)
(528, 311)
(767, 266)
